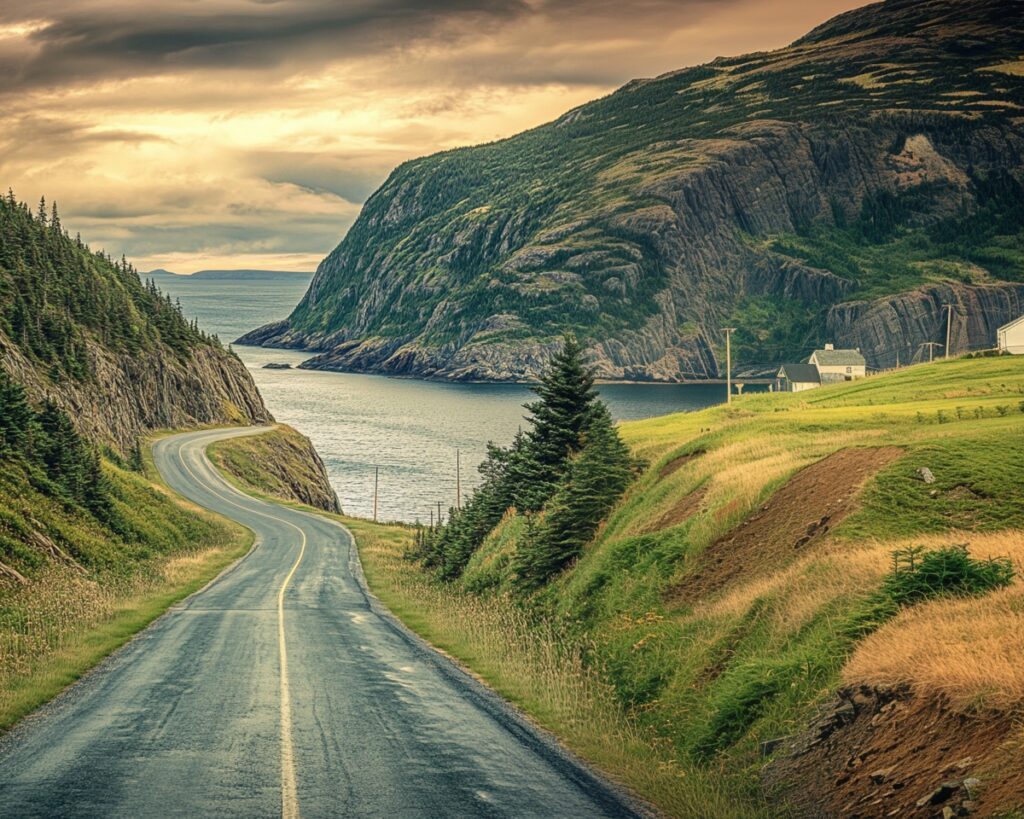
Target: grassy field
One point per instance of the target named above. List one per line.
(76, 610)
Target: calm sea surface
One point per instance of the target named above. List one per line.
(409, 429)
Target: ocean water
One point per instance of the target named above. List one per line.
(408, 430)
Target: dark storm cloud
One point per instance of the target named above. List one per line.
(216, 133)
(83, 41)
(92, 40)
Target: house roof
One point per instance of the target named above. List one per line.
(838, 358)
(800, 373)
(1013, 323)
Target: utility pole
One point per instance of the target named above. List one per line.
(376, 476)
(931, 345)
(949, 325)
(728, 362)
(458, 480)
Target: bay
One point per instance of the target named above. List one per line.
(409, 430)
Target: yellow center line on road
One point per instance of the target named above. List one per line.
(289, 789)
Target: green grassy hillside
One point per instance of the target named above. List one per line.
(747, 576)
(74, 587)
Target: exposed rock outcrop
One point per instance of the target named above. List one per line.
(891, 330)
(131, 394)
(282, 463)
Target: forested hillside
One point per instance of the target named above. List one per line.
(83, 331)
(842, 189)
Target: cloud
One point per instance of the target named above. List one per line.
(202, 129)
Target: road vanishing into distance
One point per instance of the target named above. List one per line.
(284, 689)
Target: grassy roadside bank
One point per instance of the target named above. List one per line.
(75, 611)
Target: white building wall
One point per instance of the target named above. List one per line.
(1011, 338)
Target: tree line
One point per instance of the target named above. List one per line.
(564, 474)
(56, 294)
(58, 461)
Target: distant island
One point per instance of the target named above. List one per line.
(230, 275)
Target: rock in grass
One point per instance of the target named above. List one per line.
(925, 474)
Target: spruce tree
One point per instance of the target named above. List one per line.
(566, 397)
(595, 480)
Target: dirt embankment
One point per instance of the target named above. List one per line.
(796, 516)
(878, 753)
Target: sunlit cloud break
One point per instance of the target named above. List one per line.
(238, 133)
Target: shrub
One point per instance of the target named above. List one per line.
(919, 575)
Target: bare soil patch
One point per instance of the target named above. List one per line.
(798, 515)
(676, 464)
(686, 506)
(890, 753)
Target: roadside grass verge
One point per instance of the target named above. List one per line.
(74, 612)
(543, 669)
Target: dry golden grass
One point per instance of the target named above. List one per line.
(844, 569)
(63, 623)
(967, 650)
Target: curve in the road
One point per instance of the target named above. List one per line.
(285, 686)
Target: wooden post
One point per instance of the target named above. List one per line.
(376, 476)
(439, 513)
(458, 480)
(728, 363)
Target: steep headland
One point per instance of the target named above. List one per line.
(842, 189)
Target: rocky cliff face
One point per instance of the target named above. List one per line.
(829, 191)
(116, 355)
(131, 394)
(892, 330)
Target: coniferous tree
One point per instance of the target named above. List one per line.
(595, 480)
(565, 474)
(566, 397)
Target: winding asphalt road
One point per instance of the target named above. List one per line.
(284, 689)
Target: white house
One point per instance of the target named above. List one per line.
(1010, 337)
(797, 378)
(838, 365)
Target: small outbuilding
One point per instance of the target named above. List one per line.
(797, 378)
(838, 365)
(1010, 337)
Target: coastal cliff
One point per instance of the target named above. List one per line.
(115, 354)
(800, 195)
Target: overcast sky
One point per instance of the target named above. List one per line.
(193, 134)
